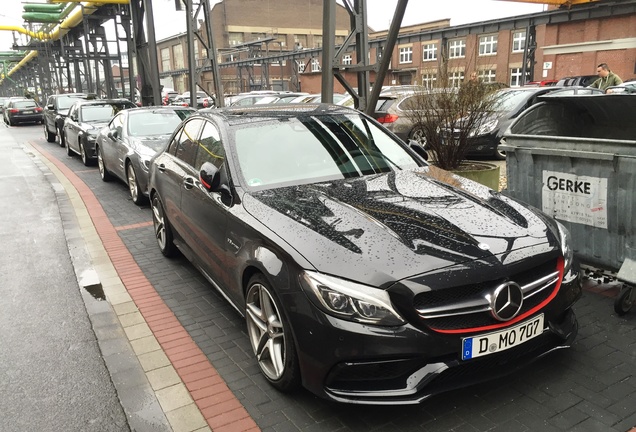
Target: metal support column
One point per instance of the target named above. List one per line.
(192, 62)
(328, 48)
(147, 66)
(528, 55)
(212, 55)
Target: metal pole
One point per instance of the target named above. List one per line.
(386, 57)
(192, 65)
(212, 55)
(152, 53)
(328, 42)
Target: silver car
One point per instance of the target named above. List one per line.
(124, 148)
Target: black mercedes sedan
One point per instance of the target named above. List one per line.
(364, 273)
(125, 146)
(84, 120)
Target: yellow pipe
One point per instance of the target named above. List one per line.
(27, 58)
(35, 35)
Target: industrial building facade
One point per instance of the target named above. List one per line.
(563, 43)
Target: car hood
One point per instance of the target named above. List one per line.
(392, 226)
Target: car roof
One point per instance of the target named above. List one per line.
(235, 115)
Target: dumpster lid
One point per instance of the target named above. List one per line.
(590, 116)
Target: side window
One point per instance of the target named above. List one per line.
(187, 145)
(116, 125)
(172, 147)
(71, 112)
(210, 147)
(51, 100)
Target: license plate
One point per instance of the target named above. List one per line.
(27, 112)
(490, 343)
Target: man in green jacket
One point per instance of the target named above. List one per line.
(606, 79)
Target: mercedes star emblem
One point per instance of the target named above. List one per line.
(506, 301)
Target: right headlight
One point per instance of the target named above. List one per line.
(351, 301)
(566, 247)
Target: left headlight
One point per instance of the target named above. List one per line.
(485, 128)
(350, 300)
(566, 247)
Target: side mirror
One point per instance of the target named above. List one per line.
(211, 179)
(417, 148)
(50, 106)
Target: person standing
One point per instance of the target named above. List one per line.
(606, 79)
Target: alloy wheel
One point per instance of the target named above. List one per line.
(132, 183)
(159, 223)
(266, 331)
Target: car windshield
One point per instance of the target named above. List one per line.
(94, 113)
(65, 102)
(308, 149)
(156, 122)
(25, 104)
(510, 99)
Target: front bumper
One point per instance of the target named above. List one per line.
(356, 363)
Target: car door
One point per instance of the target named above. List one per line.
(206, 213)
(109, 144)
(172, 168)
(71, 127)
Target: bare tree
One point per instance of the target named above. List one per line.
(447, 116)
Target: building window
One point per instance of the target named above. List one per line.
(457, 48)
(315, 65)
(301, 66)
(488, 45)
(235, 38)
(518, 41)
(177, 55)
(516, 77)
(317, 41)
(428, 80)
(165, 59)
(487, 76)
(300, 41)
(429, 52)
(406, 55)
(455, 79)
(346, 59)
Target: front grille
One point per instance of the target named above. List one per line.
(466, 307)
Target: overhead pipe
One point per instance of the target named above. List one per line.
(43, 7)
(30, 56)
(96, 2)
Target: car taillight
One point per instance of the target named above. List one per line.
(205, 103)
(38, 109)
(14, 111)
(389, 118)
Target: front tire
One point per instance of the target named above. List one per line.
(133, 186)
(50, 137)
(103, 171)
(60, 137)
(270, 336)
(163, 231)
(85, 159)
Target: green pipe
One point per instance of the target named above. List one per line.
(39, 7)
(41, 17)
(12, 53)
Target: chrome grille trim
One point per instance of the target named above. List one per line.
(482, 304)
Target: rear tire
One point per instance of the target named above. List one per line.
(163, 231)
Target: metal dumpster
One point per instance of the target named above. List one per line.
(574, 157)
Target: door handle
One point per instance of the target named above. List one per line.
(161, 167)
(188, 183)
